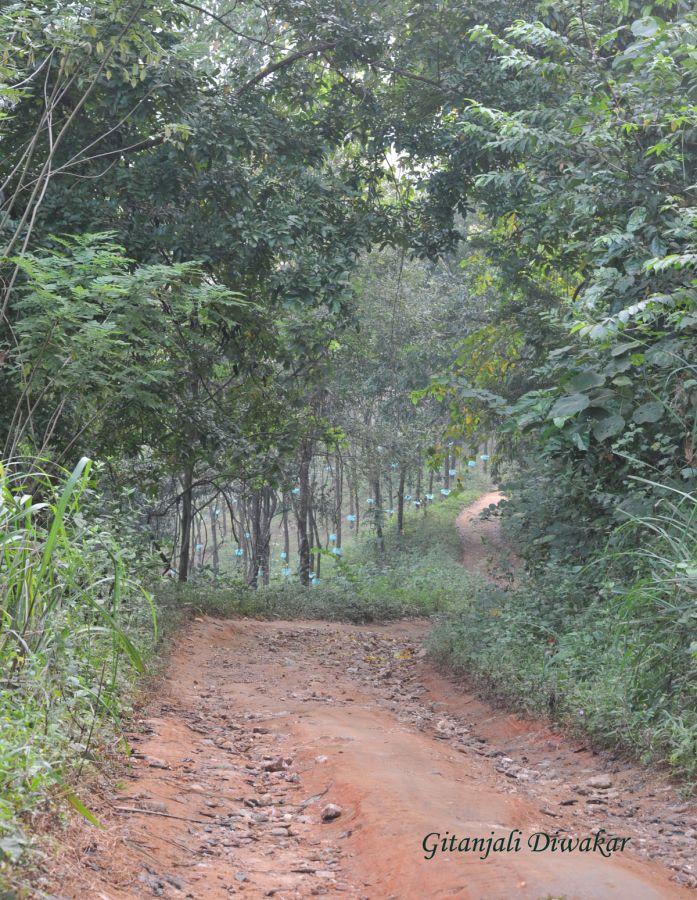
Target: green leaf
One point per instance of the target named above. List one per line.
(585, 380)
(608, 427)
(82, 468)
(568, 406)
(648, 412)
(646, 27)
(77, 804)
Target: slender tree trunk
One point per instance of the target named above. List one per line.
(199, 541)
(378, 515)
(400, 502)
(338, 496)
(265, 550)
(192, 551)
(302, 515)
(177, 527)
(253, 574)
(317, 558)
(286, 531)
(187, 505)
(214, 539)
(446, 471)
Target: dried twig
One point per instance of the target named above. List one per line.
(153, 812)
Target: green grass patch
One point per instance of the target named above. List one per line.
(73, 625)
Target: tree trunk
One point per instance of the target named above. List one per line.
(214, 539)
(265, 554)
(400, 502)
(378, 515)
(338, 496)
(317, 558)
(177, 527)
(187, 505)
(303, 510)
(446, 471)
(286, 531)
(199, 541)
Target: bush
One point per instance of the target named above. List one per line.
(609, 649)
(68, 613)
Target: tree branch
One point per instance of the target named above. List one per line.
(283, 63)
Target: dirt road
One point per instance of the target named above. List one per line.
(484, 550)
(260, 728)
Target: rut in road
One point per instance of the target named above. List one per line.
(258, 726)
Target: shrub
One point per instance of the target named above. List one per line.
(67, 613)
(609, 649)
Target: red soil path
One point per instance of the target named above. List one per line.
(257, 726)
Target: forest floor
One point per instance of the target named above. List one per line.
(260, 729)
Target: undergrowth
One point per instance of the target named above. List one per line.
(607, 649)
(418, 574)
(70, 617)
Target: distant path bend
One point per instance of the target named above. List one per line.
(484, 548)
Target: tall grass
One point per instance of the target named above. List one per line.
(67, 606)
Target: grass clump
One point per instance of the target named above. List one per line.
(67, 615)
